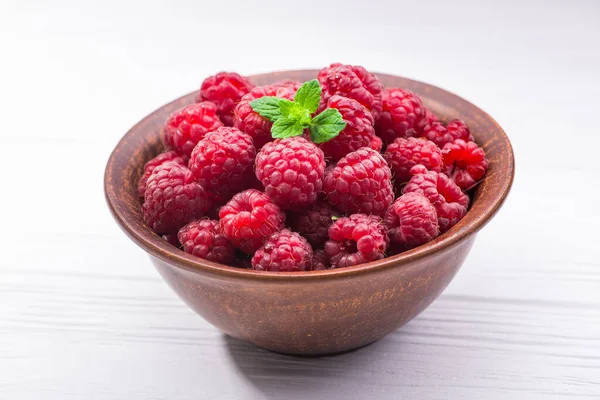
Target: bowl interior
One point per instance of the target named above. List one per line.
(143, 142)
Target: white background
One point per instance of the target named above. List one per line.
(84, 315)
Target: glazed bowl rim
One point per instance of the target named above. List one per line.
(158, 247)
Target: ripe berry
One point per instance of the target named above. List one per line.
(402, 110)
(356, 239)
(360, 183)
(464, 162)
(173, 198)
(427, 119)
(376, 144)
(405, 153)
(358, 132)
(203, 238)
(250, 122)
(249, 218)
(225, 89)
(152, 164)
(290, 84)
(441, 134)
(283, 251)
(187, 126)
(448, 199)
(314, 223)
(291, 171)
(223, 162)
(351, 81)
(411, 221)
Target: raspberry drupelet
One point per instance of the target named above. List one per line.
(173, 198)
(203, 238)
(358, 132)
(351, 81)
(411, 221)
(225, 89)
(187, 126)
(249, 121)
(405, 153)
(448, 199)
(249, 218)
(356, 239)
(152, 164)
(291, 171)
(223, 162)
(465, 163)
(283, 251)
(402, 112)
(360, 183)
(376, 144)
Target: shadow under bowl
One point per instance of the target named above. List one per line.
(318, 312)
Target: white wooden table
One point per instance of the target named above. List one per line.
(83, 315)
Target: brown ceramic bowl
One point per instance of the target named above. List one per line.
(315, 312)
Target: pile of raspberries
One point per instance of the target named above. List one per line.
(224, 190)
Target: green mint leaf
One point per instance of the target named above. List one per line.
(286, 127)
(287, 108)
(269, 107)
(326, 125)
(309, 96)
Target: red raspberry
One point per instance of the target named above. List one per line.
(449, 201)
(283, 251)
(187, 126)
(249, 218)
(465, 163)
(246, 120)
(427, 119)
(291, 170)
(173, 198)
(351, 81)
(402, 109)
(405, 153)
(356, 239)
(203, 238)
(225, 89)
(290, 84)
(411, 221)
(440, 134)
(358, 132)
(360, 183)
(376, 144)
(223, 162)
(320, 261)
(155, 162)
(314, 223)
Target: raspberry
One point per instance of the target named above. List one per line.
(411, 221)
(405, 153)
(172, 239)
(356, 239)
(441, 135)
(376, 144)
(223, 162)
(172, 198)
(360, 183)
(291, 170)
(246, 120)
(402, 109)
(203, 238)
(351, 81)
(449, 201)
(155, 162)
(283, 251)
(320, 261)
(290, 84)
(358, 132)
(314, 223)
(249, 218)
(187, 126)
(225, 89)
(427, 119)
(465, 163)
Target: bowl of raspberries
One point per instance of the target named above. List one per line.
(309, 212)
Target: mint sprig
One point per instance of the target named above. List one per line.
(290, 118)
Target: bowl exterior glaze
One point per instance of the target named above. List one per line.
(320, 312)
